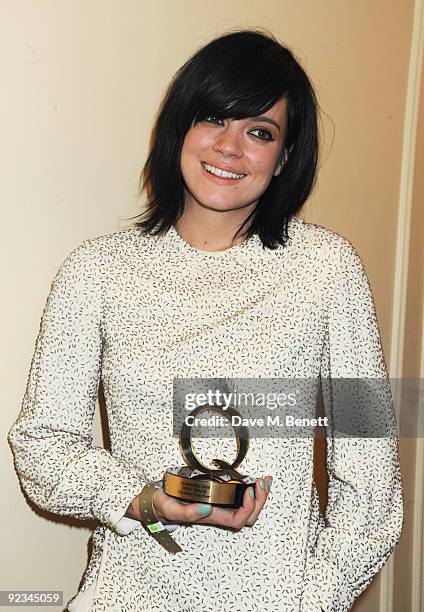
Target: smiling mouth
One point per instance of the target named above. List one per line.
(222, 173)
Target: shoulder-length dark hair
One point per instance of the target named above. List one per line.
(241, 74)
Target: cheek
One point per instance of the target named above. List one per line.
(195, 141)
(264, 163)
(260, 157)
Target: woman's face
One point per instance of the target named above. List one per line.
(248, 147)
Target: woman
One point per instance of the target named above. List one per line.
(220, 279)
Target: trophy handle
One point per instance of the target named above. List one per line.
(242, 438)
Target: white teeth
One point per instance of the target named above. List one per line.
(223, 173)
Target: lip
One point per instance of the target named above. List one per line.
(221, 178)
(224, 167)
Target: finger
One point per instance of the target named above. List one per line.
(232, 518)
(174, 511)
(262, 489)
(245, 511)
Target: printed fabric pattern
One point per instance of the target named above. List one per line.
(134, 311)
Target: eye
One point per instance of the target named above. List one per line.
(264, 134)
(268, 135)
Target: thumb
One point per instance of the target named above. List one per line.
(190, 513)
(175, 511)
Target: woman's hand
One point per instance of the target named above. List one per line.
(170, 510)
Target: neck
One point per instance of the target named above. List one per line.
(211, 230)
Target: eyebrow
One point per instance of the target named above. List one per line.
(265, 120)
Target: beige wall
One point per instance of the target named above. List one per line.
(412, 368)
(82, 81)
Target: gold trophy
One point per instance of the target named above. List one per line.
(196, 482)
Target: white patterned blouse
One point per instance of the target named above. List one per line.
(135, 311)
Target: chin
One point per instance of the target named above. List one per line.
(221, 205)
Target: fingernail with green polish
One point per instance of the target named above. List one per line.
(262, 484)
(269, 484)
(252, 492)
(203, 509)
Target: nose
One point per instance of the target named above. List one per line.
(228, 142)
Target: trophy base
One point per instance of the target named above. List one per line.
(189, 485)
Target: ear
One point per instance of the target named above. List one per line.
(281, 163)
(278, 169)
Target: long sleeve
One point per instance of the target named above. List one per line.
(57, 465)
(364, 514)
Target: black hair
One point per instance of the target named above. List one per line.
(238, 75)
